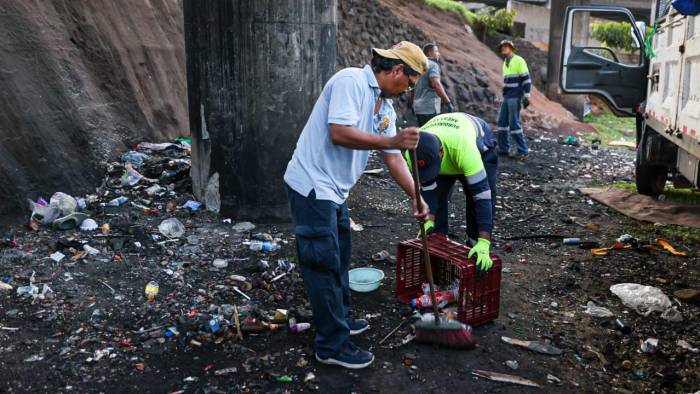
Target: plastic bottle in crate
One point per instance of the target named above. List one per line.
(442, 297)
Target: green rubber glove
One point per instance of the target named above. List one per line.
(428, 227)
(483, 257)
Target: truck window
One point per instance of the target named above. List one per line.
(607, 35)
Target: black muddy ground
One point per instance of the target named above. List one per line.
(60, 337)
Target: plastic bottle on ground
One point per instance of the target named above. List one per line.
(264, 246)
(119, 201)
(152, 289)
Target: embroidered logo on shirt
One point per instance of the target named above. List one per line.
(384, 123)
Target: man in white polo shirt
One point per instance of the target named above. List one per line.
(352, 116)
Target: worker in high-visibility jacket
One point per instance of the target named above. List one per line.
(516, 93)
(452, 147)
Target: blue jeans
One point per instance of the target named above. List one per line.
(322, 231)
(509, 126)
(445, 186)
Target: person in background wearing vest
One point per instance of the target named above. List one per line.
(452, 147)
(516, 92)
(429, 92)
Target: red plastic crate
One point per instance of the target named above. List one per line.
(479, 295)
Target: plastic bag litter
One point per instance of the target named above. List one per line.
(131, 177)
(212, 199)
(153, 190)
(172, 228)
(65, 203)
(643, 299)
(43, 212)
(157, 147)
(137, 159)
(597, 311)
(192, 205)
(60, 204)
(672, 315)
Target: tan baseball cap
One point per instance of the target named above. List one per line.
(409, 53)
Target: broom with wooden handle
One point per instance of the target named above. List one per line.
(450, 333)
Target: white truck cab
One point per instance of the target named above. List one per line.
(662, 90)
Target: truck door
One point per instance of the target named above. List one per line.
(603, 54)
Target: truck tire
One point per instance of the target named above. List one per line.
(650, 179)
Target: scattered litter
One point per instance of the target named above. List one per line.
(672, 314)
(535, 346)
(597, 311)
(134, 158)
(650, 345)
(192, 205)
(668, 247)
(33, 358)
(685, 345)
(380, 256)
(242, 227)
(220, 263)
(570, 140)
(90, 250)
(131, 177)
(88, 225)
(116, 202)
(643, 299)
(151, 291)
(553, 379)
(501, 377)
(225, 371)
(309, 377)
(512, 364)
(172, 228)
(57, 256)
(237, 290)
(356, 227)
(153, 190)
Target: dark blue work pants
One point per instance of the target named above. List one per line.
(322, 231)
(445, 186)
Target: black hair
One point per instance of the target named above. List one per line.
(381, 63)
(428, 48)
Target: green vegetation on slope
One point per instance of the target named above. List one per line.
(455, 7)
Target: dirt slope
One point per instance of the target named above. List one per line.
(80, 81)
(459, 47)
